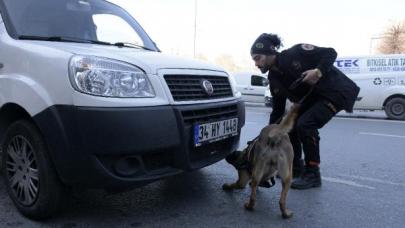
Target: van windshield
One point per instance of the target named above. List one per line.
(98, 21)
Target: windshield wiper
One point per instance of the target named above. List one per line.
(131, 45)
(79, 40)
(62, 39)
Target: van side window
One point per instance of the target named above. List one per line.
(258, 81)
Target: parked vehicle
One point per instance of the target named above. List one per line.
(268, 99)
(252, 85)
(88, 100)
(381, 79)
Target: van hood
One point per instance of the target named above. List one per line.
(149, 61)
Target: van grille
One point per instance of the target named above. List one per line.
(188, 87)
(210, 114)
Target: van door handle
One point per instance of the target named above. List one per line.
(1, 65)
(246, 88)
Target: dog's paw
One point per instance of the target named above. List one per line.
(287, 214)
(227, 187)
(249, 206)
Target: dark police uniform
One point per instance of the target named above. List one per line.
(332, 93)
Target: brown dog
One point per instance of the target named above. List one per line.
(270, 153)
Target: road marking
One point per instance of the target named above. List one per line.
(370, 120)
(374, 180)
(379, 134)
(346, 182)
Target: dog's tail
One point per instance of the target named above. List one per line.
(287, 123)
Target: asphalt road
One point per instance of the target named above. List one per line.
(363, 175)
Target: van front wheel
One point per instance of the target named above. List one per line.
(30, 178)
(395, 108)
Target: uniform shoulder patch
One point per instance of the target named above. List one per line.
(307, 47)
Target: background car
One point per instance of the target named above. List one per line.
(268, 99)
(251, 85)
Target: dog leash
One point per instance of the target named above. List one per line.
(298, 82)
(293, 86)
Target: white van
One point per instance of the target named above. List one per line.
(381, 79)
(251, 85)
(87, 100)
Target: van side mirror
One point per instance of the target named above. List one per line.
(259, 81)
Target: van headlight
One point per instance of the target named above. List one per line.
(108, 78)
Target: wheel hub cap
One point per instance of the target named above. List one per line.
(398, 109)
(22, 170)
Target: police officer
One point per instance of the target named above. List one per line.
(304, 73)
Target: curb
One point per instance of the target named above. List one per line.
(357, 114)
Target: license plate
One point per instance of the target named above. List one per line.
(215, 131)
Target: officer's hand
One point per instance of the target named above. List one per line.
(312, 76)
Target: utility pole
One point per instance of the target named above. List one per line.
(195, 23)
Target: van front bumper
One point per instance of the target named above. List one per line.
(113, 148)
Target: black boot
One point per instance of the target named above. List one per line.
(311, 178)
(298, 168)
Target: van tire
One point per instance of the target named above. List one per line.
(29, 176)
(395, 108)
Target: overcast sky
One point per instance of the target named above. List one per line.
(230, 26)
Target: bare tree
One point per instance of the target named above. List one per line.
(393, 39)
(227, 62)
(202, 57)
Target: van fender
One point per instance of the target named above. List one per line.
(25, 92)
(397, 90)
